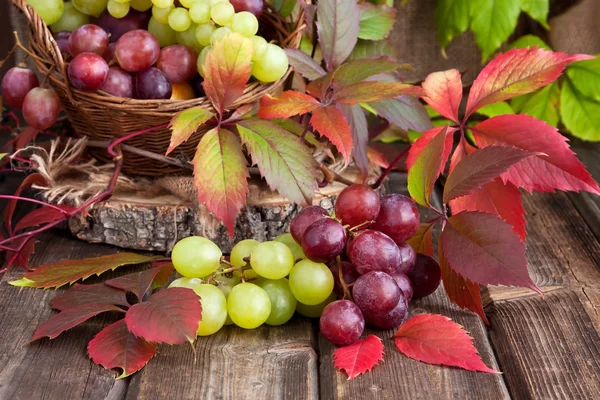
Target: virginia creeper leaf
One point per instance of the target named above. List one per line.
(116, 347)
(538, 10)
(284, 7)
(246, 111)
(406, 112)
(579, 113)
(484, 249)
(338, 24)
(377, 158)
(436, 339)
(376, 21)
(460, 291)
(359, 357)
(495, 109)
(373, 49)
(164, 273)
(79, 295)
(168, 316)
(226, 70)
(331, 123)
(543, 104)
(492, 22)
(364, 92)
(517, 72)
(138, 283)
(286, 105)
(357, 121)
(352, 72)
(282, 158)
(585, 77)
(220, 175)
(422, 240)
(556, 168)
(526, 41)
(44, 215)
(28, 182)
(70, 318)
(443, 92)
(185, 124)
(298, 129)
(22, 259)
(60, 273)
(481, 167)
(451, 19)
(304, 64)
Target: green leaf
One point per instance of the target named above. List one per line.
(60, 273)
(373, 49)
(543, 104)
(284, 7)
(492, 22)
(529, 41)
(2, 155)
(494, 109)
(579, 113)
(585, 75)
(352, 72)
(452, 19)
(282, 158)
(393, 134)
(538, 10)
(376, 22)
(185, 124)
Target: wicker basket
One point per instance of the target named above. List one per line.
(101, 116)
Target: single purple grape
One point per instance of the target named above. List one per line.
(376, 293)
(374, 251)
(305, 218)
(152, 84)
(398, 217)
(393, 319)
(409, 258)
(356, 205)
(404, 283)
(425, 276)
(342, 322)
(324, 240)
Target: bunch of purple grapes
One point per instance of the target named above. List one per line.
(380, 272)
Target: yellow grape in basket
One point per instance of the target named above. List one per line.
(272, 65)
(90, 7)
(49, 10)
(70, 20)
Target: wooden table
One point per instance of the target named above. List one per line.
(548, 347)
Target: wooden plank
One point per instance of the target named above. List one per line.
(548, 347)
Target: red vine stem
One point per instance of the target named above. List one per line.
(387, 171)
(10, 197)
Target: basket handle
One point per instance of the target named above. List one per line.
(43, 35)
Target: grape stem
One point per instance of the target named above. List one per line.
(345, 287)
(360, 226)
(331, 176)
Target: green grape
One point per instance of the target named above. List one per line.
(314, 311)
(244, 23)
(204, 32)
(188, 38)
(219, 34)
(296, 249)
(272, 66)
(222, 13)
(200, 12)
(214, 304)
(188, 3)
(311, 282)
(162, 14)
(179, 19)
(248, 305)
(141, 5)
(49, 10)
(162, 32)
(202, 59)
(163, 3)
(196, 257)
(213, 2)
(283, 302)
(242, 250)
(117, 10)
(226, 283)
(259, 47)
(70, 19)
(89, 7)
(272, 260)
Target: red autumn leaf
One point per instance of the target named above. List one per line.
(436, 339)
(481, 167)
(22, 259)
(60, 273)
(377, 158)
(185, 123)
(555, 167)
(517, 72)
(116, 347)
(70, 318)
(367, 91)
(318, 88)
(226, 70)
(355, 116)
(220, 175)
(168, 316)
(139, 282)
(79, 295)
(304, 64)
(484, 249)
(359, 357)
(426, 160)
(422, 240)
(460, 290)
(43, 215)
(29, 181)
(443, 92)
(162, 277)
(331, 123)
(286, 105)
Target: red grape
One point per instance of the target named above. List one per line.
(405, 285)
(374, 251)
(152, 84)
(109, 54)
(398, 217)
(357, 204)
(117, 27)
(62, 40)
(118, 83)
(376, 293)
(393, 319)
(323, 240)
(253, 6)
(41, 107)
(409, 258)
(341, 322)
(425, 276)
(87, 72)
(88, 38)
(178, 62)
(137, 50)
(304, 219)
(17, 82)
(349, 275)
